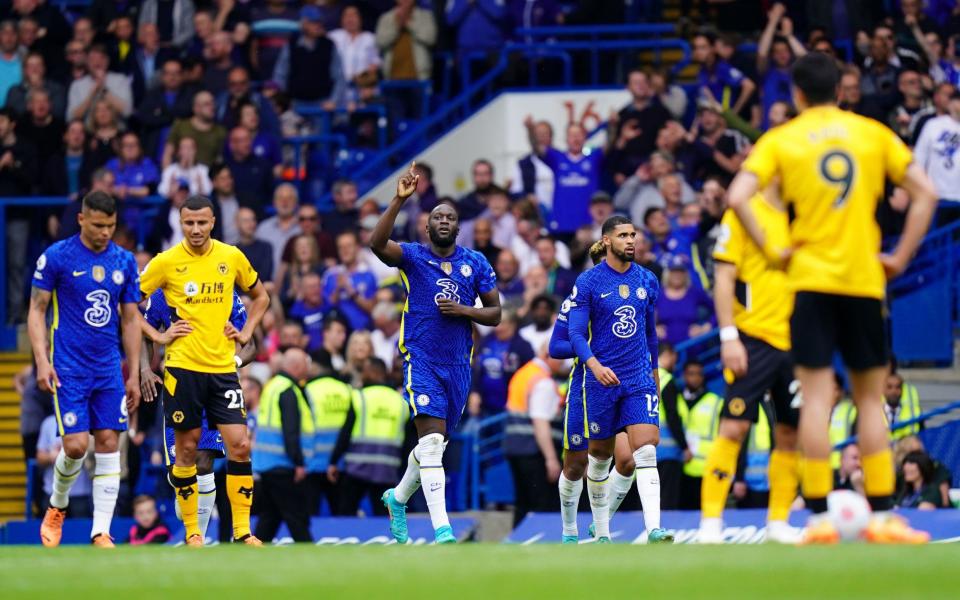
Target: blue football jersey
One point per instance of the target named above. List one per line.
(461, 277)
(575, 182)
(158, 312)
(87, 290)
(619, 308)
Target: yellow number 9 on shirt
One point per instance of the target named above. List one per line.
(836, 167)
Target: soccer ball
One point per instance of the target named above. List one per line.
(849, 512)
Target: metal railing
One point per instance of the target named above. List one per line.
(921, 418)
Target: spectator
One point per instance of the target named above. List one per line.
(509, 281)
(775, 55)
(167, 232)
(238, 95)
(483, 240)
(218, 62)
(386, 332)
(309, 220)
(880, 69)
(272, 25)
(174, 19)
(101, 180)
(851, 98)
(99, 84)
(524, 246)
(136, 175)
(684, 311)
(264, 145)
(644, 256)
(718, 81)
(18, 172)
(601, 209)
(406, 36)
(499, 355)
(147, 528)
(10, 59)
(329, 354)
(913, 19)
(671, 95)
(480, 26)
(937, 151)
(104, 13)
(729, 146)
(283, 226)
(345, 214)
(49, 446)
(161, 105)
(42, 127)
(577, 176)
(147, 58)
(643, 190)
(208, 135)
(185, 172)
(34, 78)
(498, 215)
(84, 32)
(304, 260)
(203, 30)
(542, 309)
(560, 280)
(252, 174)
(940, 100)
(531, 175)
(104, 128)
(279, 454)
(359, 351)
(258, 251)
(67, 170)
(309, 68)
(633, 130)
(225, 205)
(75, 67)
(904, 117)
(309, 310)
(474, 203)
(531, 435)
(371, 441)
(350, 286)
(919, 490)
(850, 474)
(358, 53)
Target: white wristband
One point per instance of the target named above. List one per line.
(729, 333)
(238, 360)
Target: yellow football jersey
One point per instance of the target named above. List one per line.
(763, 301)
(199, 289)
(832, 166)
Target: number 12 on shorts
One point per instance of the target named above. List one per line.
(235, 397)
(653, 405)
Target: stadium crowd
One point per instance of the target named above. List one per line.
(175, 98)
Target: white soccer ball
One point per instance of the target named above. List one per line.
(849, 512)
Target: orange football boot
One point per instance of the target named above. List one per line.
(51, 530)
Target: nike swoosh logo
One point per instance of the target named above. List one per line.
(123, 420)
(79, 273)
(181, 269)
(605, 295)
(433, 262)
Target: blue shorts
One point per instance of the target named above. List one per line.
(610, 409)
(89, 402)
(574, 429)
(439, 391)
(210, 440)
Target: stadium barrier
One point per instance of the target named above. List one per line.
(325, 530)
(746, 526)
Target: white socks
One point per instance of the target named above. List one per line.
(569, 500)
(432, 478)
(208, 498)
(106, 488)
(65, 472)
(648, 485)
(598, 476)
(410, 482)
(619, 488)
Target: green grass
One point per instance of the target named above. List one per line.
(491, 572)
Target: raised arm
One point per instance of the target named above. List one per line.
(766, 38)
(388, 251)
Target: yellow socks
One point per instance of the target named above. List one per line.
(784, 476)
(878, 479)
(184, 480)
(718, 476)
(240, 493)
(817, 483)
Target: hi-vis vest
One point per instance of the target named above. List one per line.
(330, 400)
(376, 443)
(703, 424)
(668, 449)
(269, 452)
(841, 427)
(909, 409)
(758, 454)
(518, 434)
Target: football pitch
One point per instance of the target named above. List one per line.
(488, 571)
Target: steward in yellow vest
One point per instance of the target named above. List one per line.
(329, 399)
(903, 404)
(672, 450)
(370, 441)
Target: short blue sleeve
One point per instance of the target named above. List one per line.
(238, 316)
(130, 293)
(48, 268)
(486, 277)
(408, 251)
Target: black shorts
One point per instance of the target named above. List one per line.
(824, 323)
(768, 370)
(187, 394)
